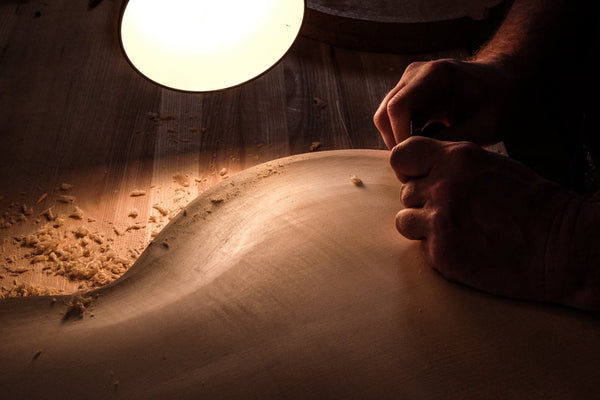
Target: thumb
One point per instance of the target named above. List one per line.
(415, 156)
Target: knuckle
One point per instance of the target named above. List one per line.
(412, 67)
(379, 119)
(407, 193)
(396, 106)
(464, 155)
(440, 67)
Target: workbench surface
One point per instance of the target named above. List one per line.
(73, 111)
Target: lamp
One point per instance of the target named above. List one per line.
(207, 45)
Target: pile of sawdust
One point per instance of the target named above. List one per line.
(76, 254)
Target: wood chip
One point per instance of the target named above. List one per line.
(77, 213)
(42, 198)
(315, 146)
(66, 199)
(182, 180)
(356, 180)
(49, 214)
(319, 103)
(137, 193)
(161, 209)
(135, 227)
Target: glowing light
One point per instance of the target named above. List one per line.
(205, 45)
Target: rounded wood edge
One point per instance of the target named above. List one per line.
(392, 37)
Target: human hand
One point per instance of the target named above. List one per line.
(467, 97)
(483, 219)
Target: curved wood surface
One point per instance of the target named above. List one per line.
(408, 26)
(289, 281)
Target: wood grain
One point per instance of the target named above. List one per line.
(72, 110)
(289, 281)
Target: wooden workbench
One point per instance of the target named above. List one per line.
(73, 111)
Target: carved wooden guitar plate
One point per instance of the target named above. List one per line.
(288, 280)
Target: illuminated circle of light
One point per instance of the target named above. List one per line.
(207, 45)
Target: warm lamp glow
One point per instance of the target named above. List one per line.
(205, 45)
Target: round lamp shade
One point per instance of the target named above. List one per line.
(207, 45)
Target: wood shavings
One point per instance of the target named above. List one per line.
(37, 355)
(133, 213)
(16, 270)
(137, 193)
(319, 103)
(81, 232)
(154, 233)
(78, 305)
(38, 259)
(182, 180)
(135, 227)
(78, 255)
(66, 199)
(223, 172)
(42, 198)
(49, 214)
(356, 180)
(65, 187)
(5, 223)
(158, 119)
(161, 209)
(315, 146)
(25, 289)
(77, 213)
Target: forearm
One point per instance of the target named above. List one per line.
(573, 256)
(536, 35)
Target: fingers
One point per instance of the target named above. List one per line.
(421, 96)
(412, 223)
(415, 157)
(382, 119)
(413, 194)
(393, 117)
